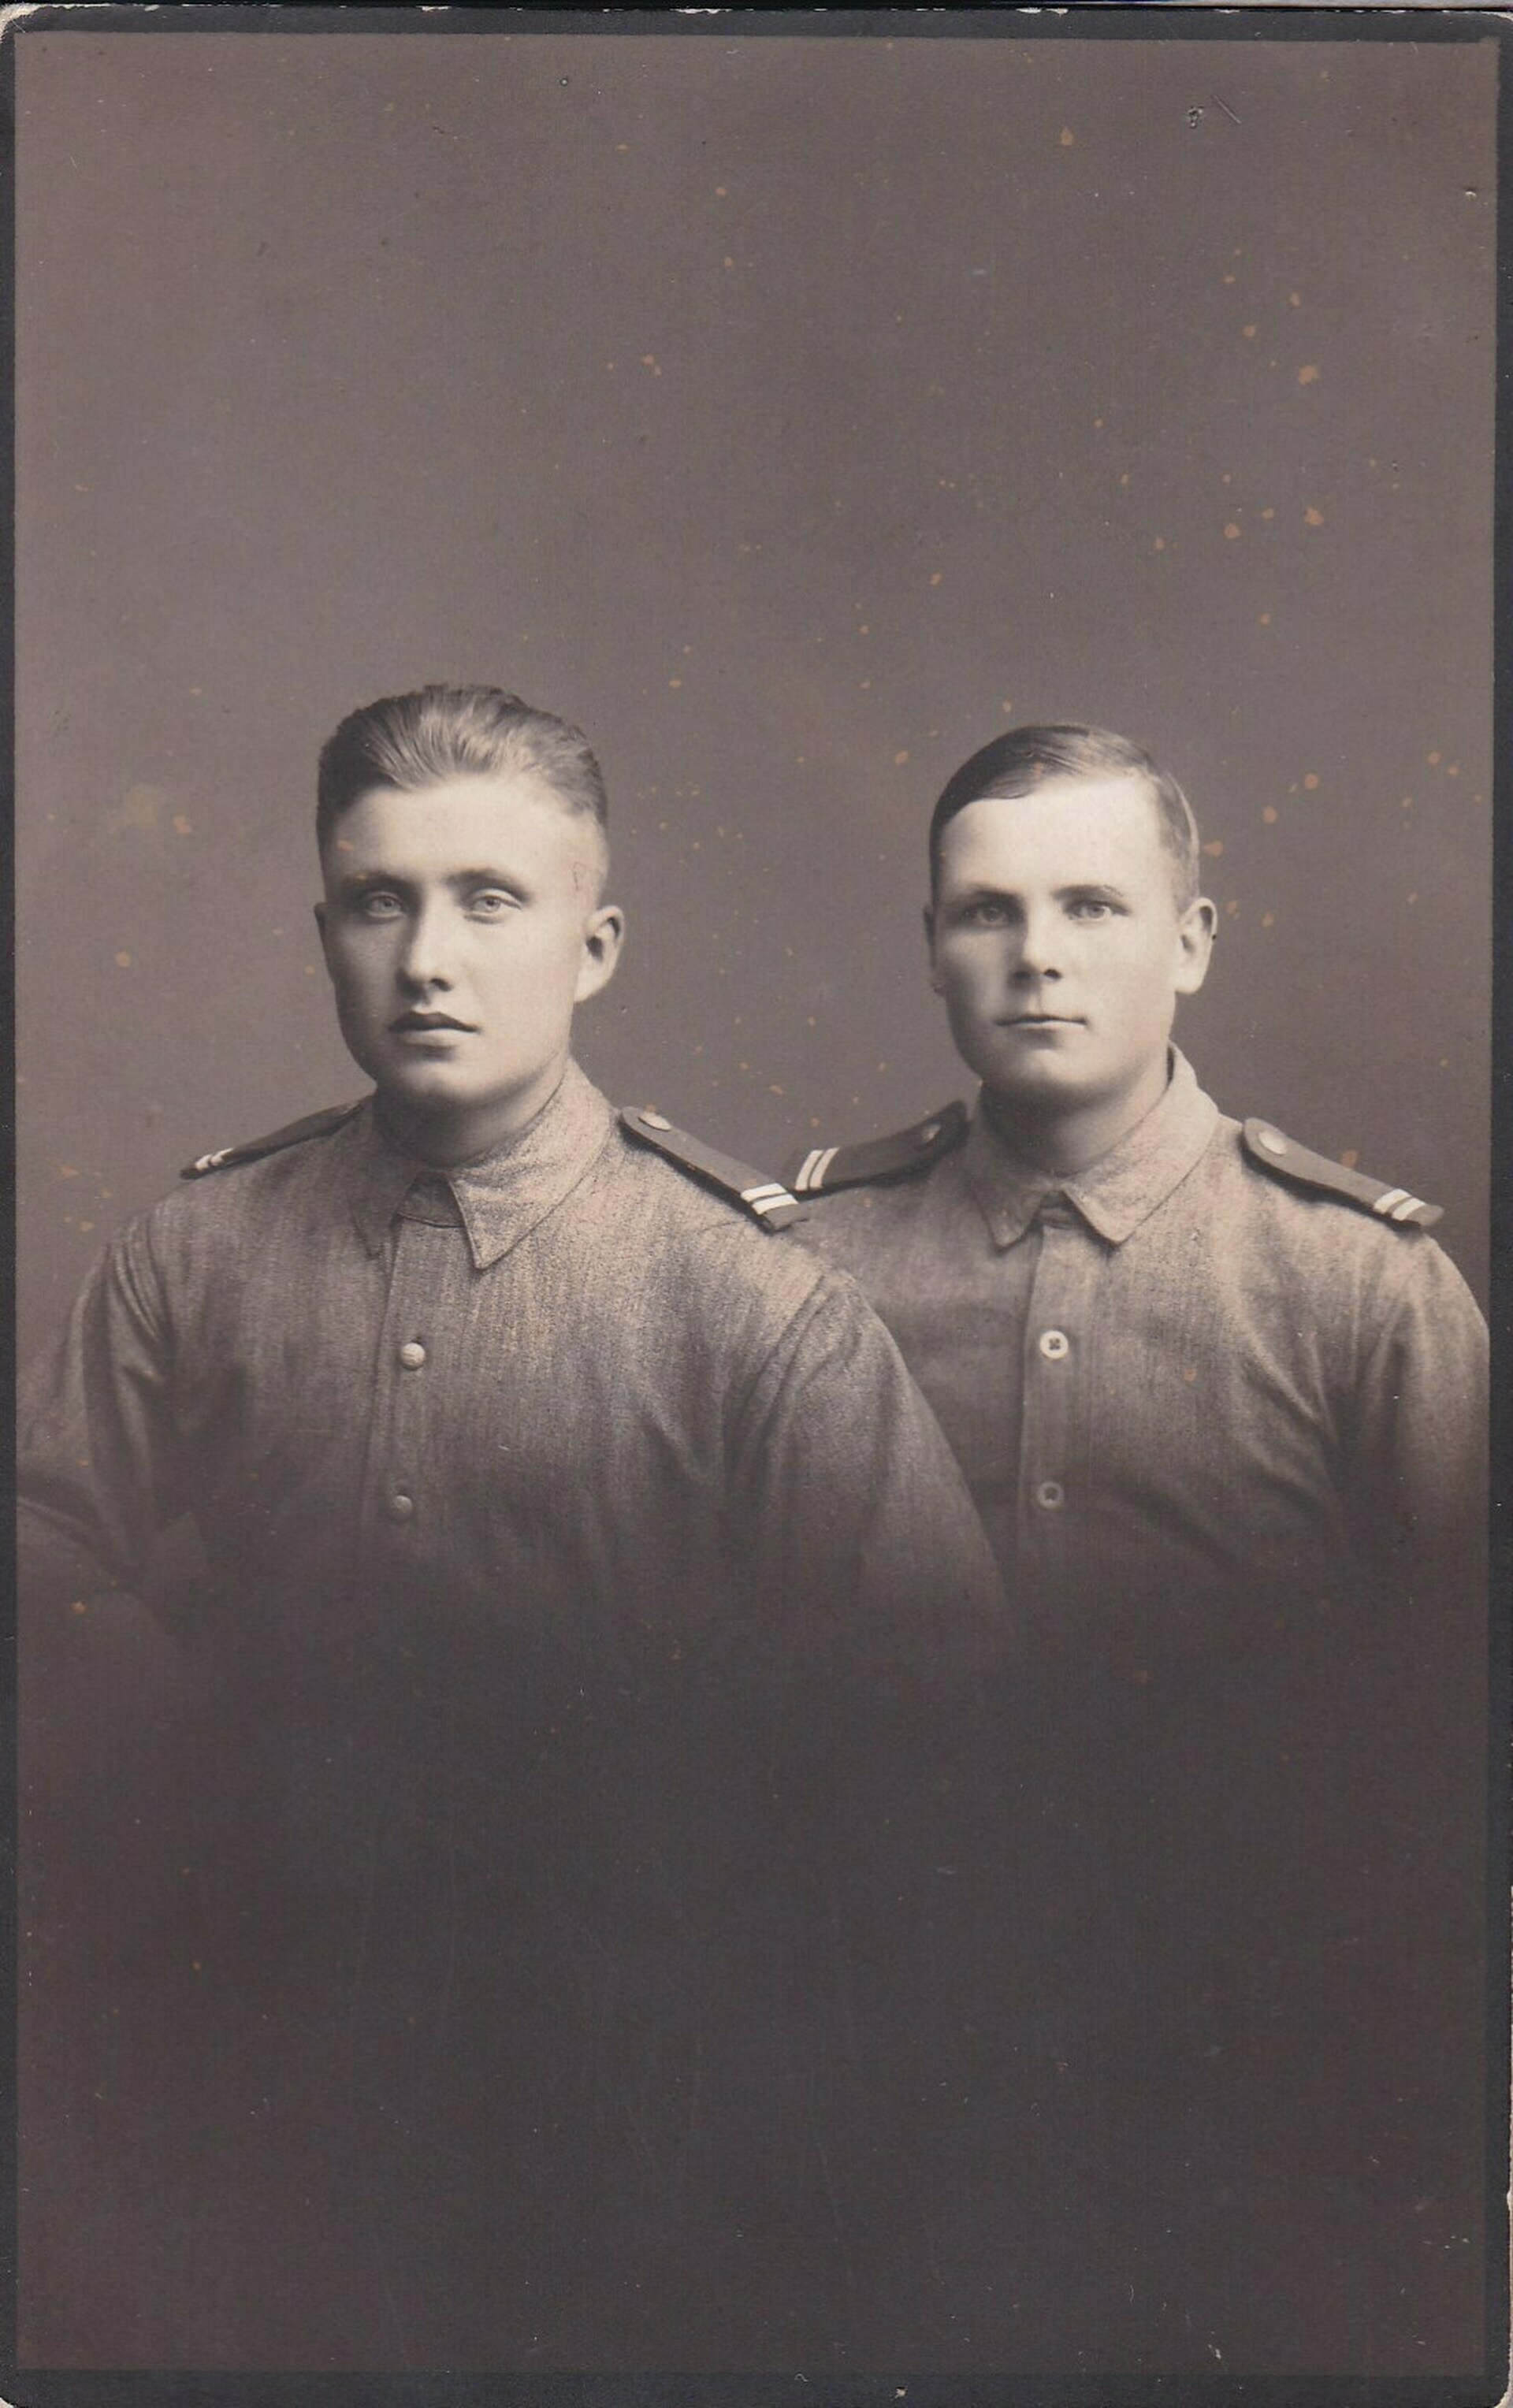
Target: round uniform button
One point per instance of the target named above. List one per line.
(400, 1507)
(413, 1354)
(1051, 1495)
(1055, 1344)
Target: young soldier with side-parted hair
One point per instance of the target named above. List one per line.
(1220, 1403)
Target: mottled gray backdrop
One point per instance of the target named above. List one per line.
(793, 412)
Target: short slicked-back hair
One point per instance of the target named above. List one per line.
(1024, 758)
(410, 741)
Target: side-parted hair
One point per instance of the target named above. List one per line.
(1018, 762)
(410, 741)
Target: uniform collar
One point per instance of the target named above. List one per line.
(500, 1197)
(1117, 1192)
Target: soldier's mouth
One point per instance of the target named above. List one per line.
(427, 1023)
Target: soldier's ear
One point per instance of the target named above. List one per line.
(602, 939)
(1195, 933)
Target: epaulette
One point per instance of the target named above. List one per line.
(313, 1125)
(763, 1199)
(1281, 1155)
(825, 1167)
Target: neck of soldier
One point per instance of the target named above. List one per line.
(1060, 1139)
(447, 1135)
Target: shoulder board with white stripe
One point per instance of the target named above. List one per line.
(294, 1133)
(766, 1200)
(822, 1169)
(1287, 1159)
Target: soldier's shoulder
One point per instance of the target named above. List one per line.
(752, 1196)
(305, 1131)
(1300, 1171)
(903, 1154)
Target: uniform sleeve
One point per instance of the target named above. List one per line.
(99, 1470)
(1418, 1464)
(849, 1490)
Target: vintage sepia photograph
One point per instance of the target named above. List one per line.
(753, 909)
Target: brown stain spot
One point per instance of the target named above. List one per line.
(1413, 898)
(1232, 906)
(1190, 1374)
(1312, 517)
(1250, 333)
(674, 682)
(1125, 478)
(935, 577)
(729, 263)
(1433, 759)
(1453, 770)
(1269, 814)
(1310, 783)
(1160, 544)
(1294, 300)
(1098, 422)
(775, 1091)
(899, 760)
(1268, 513)
(1232, 533)
(1213, 847)
(1268, 919)
(1068, 137)
(1307, 376)
(722, 192)
(1008, 706)
(1406, 804)
(181, 826)
(123, 961)
(1230, 278)
(1265, 618)
(79, 1606)
(1350, 1157)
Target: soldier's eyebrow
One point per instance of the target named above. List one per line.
(1092, 890)
(463, 879)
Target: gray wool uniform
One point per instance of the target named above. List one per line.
(1222, 1406)
(1182, 1363)
(591, 1602)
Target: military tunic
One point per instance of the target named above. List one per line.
(578, 1555)
(1226, 1432)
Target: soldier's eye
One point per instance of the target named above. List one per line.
(1089, 907)
(379, 904)
(490, 903)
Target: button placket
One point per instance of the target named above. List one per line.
(1052, 1391)
(393, 1499)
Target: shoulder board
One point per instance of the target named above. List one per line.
(1286, 1160)
(313, 1125)
(763, 1199)
(824, 1167)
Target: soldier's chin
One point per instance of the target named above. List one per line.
(1042, 1081)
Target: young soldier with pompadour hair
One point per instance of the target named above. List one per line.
(593, 1605)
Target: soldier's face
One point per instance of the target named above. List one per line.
(1057, 943)
(461, 924)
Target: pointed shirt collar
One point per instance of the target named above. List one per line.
(500, 1197)
(1115, 1193)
